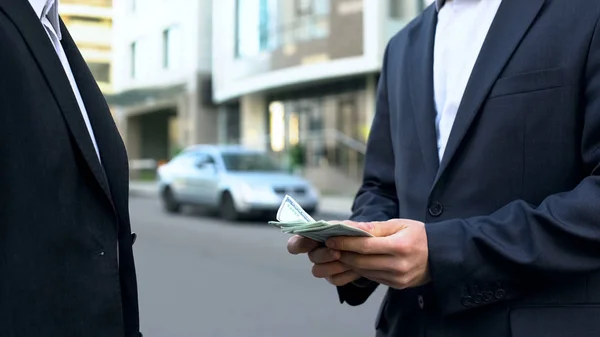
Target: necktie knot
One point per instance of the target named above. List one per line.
(50, 16)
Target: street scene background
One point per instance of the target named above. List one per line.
(199, 276)
(225, 107)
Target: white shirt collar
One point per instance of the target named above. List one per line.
(48, 8)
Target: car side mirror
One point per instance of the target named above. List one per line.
(207, 165)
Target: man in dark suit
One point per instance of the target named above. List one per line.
(482, 177)
(66, 260)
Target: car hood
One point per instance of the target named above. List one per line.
(268, 178)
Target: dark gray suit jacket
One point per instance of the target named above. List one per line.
(62, 214)
(512, 212)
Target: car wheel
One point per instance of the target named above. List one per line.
(170, 204)
(227, 210)
(310, 211)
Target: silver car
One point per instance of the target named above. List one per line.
(233, 180)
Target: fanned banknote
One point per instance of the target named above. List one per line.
(292, 219)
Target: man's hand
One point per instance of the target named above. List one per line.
(326, 261)
(397, 256)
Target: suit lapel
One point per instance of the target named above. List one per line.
(420, 47)
(112, 149)
(21, 13)
(512, 21)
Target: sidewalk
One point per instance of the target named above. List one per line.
(331, 206)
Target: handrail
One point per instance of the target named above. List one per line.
(340, 137)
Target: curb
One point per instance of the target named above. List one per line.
(322, 214)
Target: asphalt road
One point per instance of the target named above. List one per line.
(202, 277)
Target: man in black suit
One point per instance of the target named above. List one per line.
(66, 260)
(482, 177)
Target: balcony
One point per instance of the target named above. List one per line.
(93, 3)
(86, 10)
(90, 34)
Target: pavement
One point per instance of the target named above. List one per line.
(331, 206)
(199, 276)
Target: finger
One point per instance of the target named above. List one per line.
(299, 245)
(323, 255)
(362, 245)
(384, 263)
(330, 269)
(343, 278)
(381, 228)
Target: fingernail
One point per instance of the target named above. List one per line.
(330, 243)
(334, 253)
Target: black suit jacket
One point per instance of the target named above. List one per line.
(512, 212)
(62, 214)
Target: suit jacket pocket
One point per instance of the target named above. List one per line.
(528, 82)
(556, 321)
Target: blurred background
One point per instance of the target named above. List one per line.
(225, 106)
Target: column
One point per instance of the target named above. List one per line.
(370, 100)
(253, 128)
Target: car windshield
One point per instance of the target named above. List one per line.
(250, 162)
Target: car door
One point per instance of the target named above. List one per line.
(179, 171)
(210, 181)
(199, 178)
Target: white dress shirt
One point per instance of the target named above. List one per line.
(461, 30)
(47, 11)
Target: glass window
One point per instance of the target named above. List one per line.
(263, 25)
(188, 159)
(256, 22)
(171, 47)
(133, 60)
(248, 22)
(311, 20)
(249, 162)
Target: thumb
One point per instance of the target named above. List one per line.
(380, 228)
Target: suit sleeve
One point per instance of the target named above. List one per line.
(376, 199)
(483, 260)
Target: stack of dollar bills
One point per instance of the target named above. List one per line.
(292, 219)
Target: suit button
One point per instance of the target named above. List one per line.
(467, 301)
(133, 238)
(500, 293)
(421, 302)
(488, 296)
(436, 209)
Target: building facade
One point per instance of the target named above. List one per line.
(298, 78)
(90, 24)
(162, 76)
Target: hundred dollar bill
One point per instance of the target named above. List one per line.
(322, 234)
(322, 230)
(291, 211)
(292, 219)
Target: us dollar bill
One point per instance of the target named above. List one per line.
(291, 211)
(292, 219)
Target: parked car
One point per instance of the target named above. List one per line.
(233, 180)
